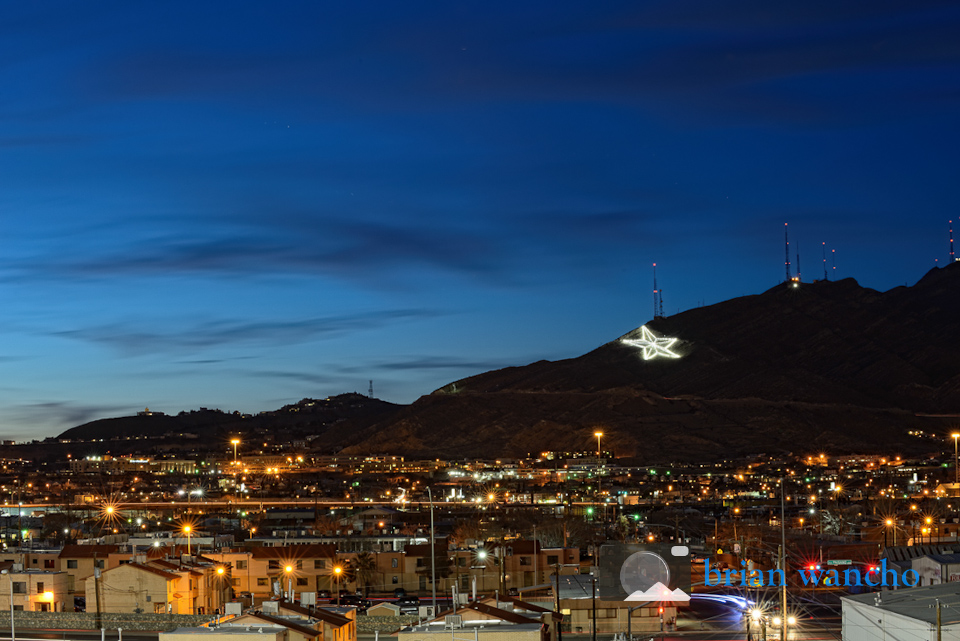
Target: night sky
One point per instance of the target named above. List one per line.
(241, 204)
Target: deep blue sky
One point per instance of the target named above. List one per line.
(240, 204)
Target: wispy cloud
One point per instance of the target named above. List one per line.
(438, 363)
(300, 377)
(130, 339)
(265, 244)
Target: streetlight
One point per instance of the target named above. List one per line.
(220, 572)
(599, 434)
(235, 442)
(482, 557)
(433, 554)
(337, 571)
(956, 459)
(13, 631)
(289, 571)
(186, 530)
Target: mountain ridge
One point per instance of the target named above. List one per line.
(827, 364)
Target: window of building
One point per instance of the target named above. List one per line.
(98, 563)
(301, 581)
(19, 587)
(262, 581)
(552, 559)
(394, 580)
(319, 564)
(39, 587)
(241, 565)
(510, 551)
(299, 565)
(465, 582)
(34, 561)
(462, 561)
(234, 581)
(48, 564)
(394, 562)
(273, 565)
(525, 560)
(419, 561)
(18, 608)
(71, 564)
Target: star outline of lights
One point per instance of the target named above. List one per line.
(652, 346)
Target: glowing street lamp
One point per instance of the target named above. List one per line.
(235, 442)
(599, 434)
(337, 571)
(956, 459)
(289, 571)
(221, 571)
(482, 557)
(187, 530)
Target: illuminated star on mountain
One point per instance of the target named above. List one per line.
(652, 346)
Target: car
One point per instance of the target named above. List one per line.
(399, 593)
(323, 594)
(355, 600)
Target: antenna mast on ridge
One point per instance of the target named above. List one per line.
(657, 296)
(824, 247)
(798, 260)
(786, 251)
(951, 242)
(371, 389)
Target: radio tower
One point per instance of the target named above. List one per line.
(371, 389)
(786, 250)
(657, 296)
(951, 242)
(825, 276)
(798, 260)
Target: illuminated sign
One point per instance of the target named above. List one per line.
(651, 345)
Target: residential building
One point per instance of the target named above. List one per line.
(35, 591)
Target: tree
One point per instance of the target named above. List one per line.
(365, 566)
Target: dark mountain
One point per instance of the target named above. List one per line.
(820, 365)
(302, 420)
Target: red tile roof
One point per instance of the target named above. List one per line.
(294, 552)
(87, 551)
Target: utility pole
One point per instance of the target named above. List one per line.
(938, 606)
(783, 562)
(433, 551)
(503, 566)
(556, 594)
(939, 629)
(96, 590)
(593, 586)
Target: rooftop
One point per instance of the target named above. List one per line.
(917, 603)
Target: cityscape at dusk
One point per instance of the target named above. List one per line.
(242, 206)
(503, 322)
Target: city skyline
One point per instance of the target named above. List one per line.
(239, 206)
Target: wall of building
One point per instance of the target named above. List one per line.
(87, 621)
(862, 622)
